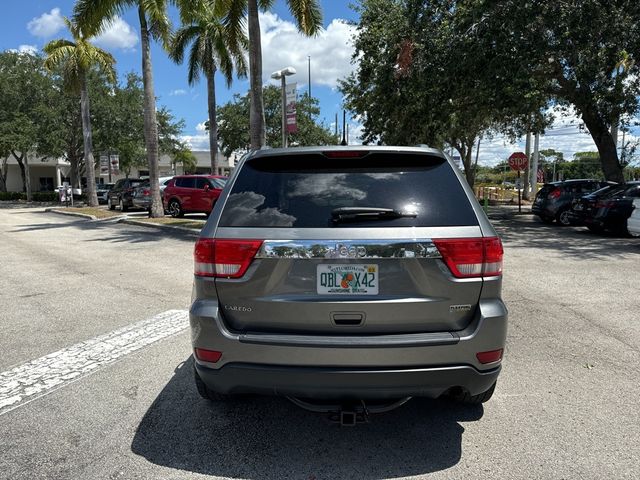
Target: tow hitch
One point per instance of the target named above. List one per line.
(349, 413)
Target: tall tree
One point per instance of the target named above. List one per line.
(28, 123)
(233, 118)
(76, 58)
(213, 48)
(582, 53)
(308, 17)
(92, 16)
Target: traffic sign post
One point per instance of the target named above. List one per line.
(519, 161)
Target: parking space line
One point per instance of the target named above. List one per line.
(31, 380)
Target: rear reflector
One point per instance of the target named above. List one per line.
(555, 193)
(208, 355)
(489, 357)
(224, 257)
(471, 257)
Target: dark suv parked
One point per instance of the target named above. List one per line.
(122, 193)
(348, 273)
(554, 200)
(611, 210)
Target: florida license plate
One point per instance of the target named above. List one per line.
(347, 279)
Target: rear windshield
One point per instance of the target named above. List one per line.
(218, 182)
(302, 191)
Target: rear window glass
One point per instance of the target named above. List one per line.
(186, 182)
(302, 191)
(135, 183)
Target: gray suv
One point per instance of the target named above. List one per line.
(348, 273)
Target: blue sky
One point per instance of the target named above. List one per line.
(30, 24)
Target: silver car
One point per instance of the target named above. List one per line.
(348, 273)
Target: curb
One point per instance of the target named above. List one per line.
(159, 226)
(71, 214)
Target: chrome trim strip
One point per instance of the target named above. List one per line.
(402, 340)
(348, 249)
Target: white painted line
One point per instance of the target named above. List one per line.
(33, 379)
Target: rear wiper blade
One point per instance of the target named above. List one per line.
(362, 214)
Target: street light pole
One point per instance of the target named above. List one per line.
(282, 76)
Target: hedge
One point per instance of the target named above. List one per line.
(37, 196)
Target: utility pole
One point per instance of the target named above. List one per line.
(534, 167)
(344, 126)
(525, 183)
(336, 125)
(309, 71)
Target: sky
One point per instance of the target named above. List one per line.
(29, 25)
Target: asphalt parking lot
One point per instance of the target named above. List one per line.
(566, 405)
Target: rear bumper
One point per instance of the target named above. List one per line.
(310, 382)
(371, 368)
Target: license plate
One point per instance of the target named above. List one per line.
(347, 279)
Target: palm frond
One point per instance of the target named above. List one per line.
(179, 41)
(195, 61)
(308, 15)
(90, 15)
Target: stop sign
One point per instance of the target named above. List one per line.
(518, 161)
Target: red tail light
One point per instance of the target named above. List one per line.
(345, 153)
(471, 257)
(555, 193)
(146, 192)
(224, 258)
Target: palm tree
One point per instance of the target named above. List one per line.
(92, 16)
(211, 50)
(308, 17)
(76, 58)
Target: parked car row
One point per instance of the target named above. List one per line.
(600, 206)
(180, 194)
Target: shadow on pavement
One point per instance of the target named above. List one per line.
(269, 437)
(526, 231)
(113, 231)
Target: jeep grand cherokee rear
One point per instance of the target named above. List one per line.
(349, 273)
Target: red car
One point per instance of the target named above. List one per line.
(192, 194)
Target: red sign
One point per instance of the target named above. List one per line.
(518, 161)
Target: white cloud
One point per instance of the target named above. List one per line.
(196, 142)
(177, 92)
(201, 127)
(283, 46)
(47, 24)
(117, 34)
(30, 49)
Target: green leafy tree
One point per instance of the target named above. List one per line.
(232, 120)
(308, 17)
(213, 49)
(91, 16)
(577, 53)
(419, 80)
(28, 124)
(76, 58)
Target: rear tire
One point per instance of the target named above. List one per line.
(467, 399)
(175, 209)
(563, 217)
(547, 220)
(595, 229)
(123, 207)
(206, 393)
(110, 205)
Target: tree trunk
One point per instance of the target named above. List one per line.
(256, 115)
(23, 163)
(465, 149)
(89, 162)
(606, 147)
(150, 121)
(213, 124)
(3, 174)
